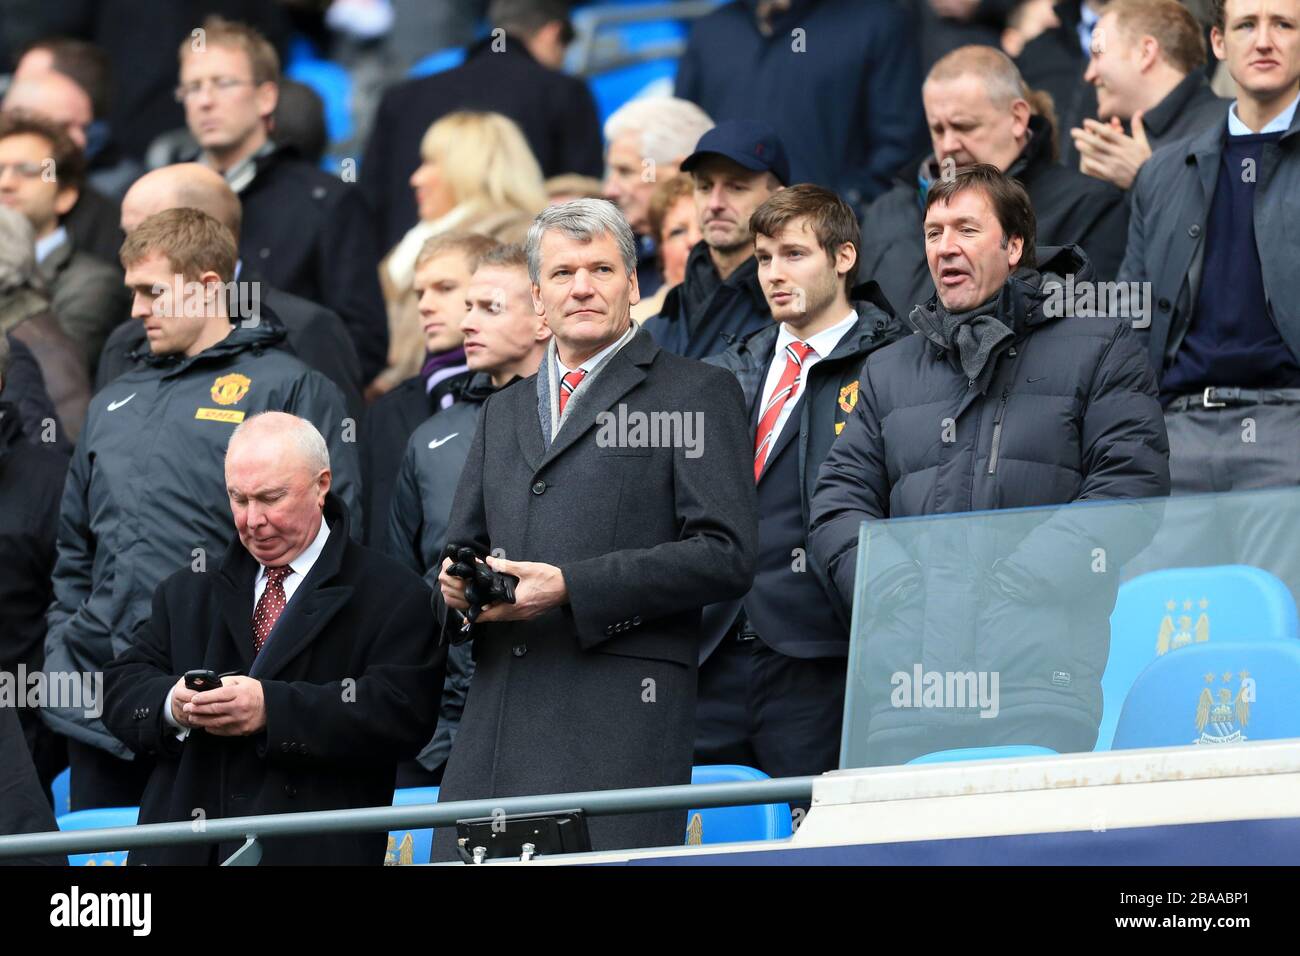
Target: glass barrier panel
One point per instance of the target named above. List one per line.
(1089, 626)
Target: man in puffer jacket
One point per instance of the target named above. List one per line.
(1004, 398)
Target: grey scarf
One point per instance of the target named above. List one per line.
(241, 175)
(974, 335)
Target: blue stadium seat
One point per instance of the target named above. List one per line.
(1168, 610)
(334, 86)
(438, 61)
(1222, 692)
(768, 821)
(639, 35)
(99, 819)
(983, 753)
(612, 89)
(626, 59)
(59, 790)
(410, 846)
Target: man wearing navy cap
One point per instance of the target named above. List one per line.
(736, 166)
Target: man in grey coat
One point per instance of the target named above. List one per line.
(1214, 232)
(505, 340)
(617, 485)
(144, 496)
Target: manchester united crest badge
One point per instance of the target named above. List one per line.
(849, 396)
(228, 389)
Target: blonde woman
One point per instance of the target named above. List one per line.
(477, 175)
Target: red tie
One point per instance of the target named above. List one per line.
(568, 384)
(786, 389)
(269, 605)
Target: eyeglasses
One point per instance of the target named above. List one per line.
(24, 170)
(218, 84)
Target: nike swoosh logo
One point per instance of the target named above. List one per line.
(442, 441)
(1038, 379)
(114, 406)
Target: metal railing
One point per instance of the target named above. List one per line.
(251, 830)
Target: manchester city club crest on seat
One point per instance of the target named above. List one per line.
(1172, 637)
(1221, 717)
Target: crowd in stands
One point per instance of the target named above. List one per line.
(833, 241)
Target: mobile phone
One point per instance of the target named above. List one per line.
(201, 679)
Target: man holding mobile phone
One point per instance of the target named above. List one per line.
(319, 658)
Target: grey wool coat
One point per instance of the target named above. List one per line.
(600, 692)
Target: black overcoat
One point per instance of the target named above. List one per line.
(351, 676)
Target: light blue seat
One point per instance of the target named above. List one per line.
(1214, 693)
(767, 821)
(613, 88)
(410, 846)
(437, 62)
(59, 790)
(100, 818)
(334, 86)
(983, 753)
(628, 58)
(638, 36)
(1170, 610)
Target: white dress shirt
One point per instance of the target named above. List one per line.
(301, 565)
(592, 362)
(588, 366)
(823, 344)
(48, 244)
(1278, 124)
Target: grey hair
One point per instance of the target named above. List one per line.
(17, 251)
(669, 127)
(996, 71)
(582, 219)
(304, 436)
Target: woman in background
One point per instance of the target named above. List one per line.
(676, 229)
(477, 175)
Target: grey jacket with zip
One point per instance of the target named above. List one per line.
(146, 494)
(417, 530)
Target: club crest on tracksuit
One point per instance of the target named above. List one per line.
(229, 389)
(226, 390)
(848, 399)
